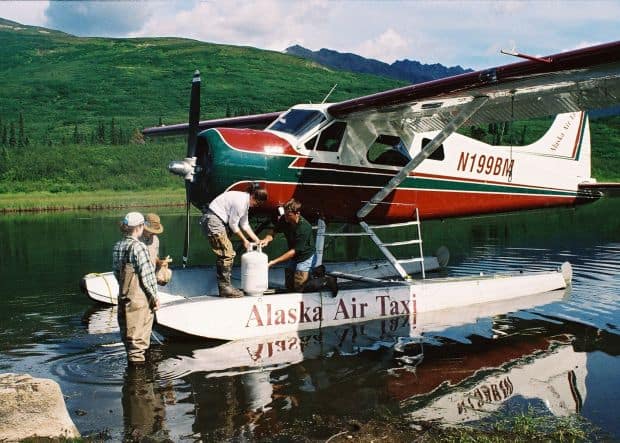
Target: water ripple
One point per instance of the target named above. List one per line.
(103, 365)
(595, 288)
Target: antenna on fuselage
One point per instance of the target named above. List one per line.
(329, 93)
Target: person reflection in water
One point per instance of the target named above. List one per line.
(143, 405)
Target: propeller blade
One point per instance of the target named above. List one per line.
(194, 118)
(194, 115)
(188, 205)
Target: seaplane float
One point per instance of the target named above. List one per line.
(389, 160)
(260, 353)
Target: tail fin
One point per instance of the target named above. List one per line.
(568, 138)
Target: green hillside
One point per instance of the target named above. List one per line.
(57, 80)
(71, 108)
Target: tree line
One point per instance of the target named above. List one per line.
(12, 137)
(500, 133)
(16, 136)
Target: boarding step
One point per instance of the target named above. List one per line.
(397, 225)
(401, 243)
(411, 260)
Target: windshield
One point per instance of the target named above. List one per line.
(298, 121)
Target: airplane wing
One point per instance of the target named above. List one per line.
(578, 80)
(571, 81)
(256, 121)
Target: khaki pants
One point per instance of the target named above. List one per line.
(223, 249)
(216, 232)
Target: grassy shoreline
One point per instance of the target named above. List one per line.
(93, 200)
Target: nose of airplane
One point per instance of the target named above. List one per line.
(185, 168)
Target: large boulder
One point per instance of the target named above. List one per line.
(32, 407)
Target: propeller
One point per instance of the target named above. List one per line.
(190, 160)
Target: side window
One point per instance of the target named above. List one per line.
(388, 150)
(330, 137)
(438, 154)
(310, 143)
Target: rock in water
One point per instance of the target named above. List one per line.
(33, 407)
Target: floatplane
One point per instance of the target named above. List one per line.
(390, 159)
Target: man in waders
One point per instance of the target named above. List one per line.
(229, 212)
(300, 255)
(137, 300)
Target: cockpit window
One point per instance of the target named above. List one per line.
(388, 150)
(331, 137)
(298, 121)
(438, 154)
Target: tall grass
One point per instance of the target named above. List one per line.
(47, 201)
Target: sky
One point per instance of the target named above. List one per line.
(469, 33)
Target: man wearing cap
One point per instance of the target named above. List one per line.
(137, 299)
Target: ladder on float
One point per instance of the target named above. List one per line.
(397, 263)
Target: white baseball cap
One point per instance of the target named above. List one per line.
(133, 219)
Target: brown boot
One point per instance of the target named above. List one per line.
(223, 283)
(289, 279)
(299, 280)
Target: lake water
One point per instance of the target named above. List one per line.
(556, 353)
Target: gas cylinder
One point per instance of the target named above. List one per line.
(254, 270)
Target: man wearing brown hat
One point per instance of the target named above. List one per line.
(152, 228)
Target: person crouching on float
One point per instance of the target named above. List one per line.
(301, 255)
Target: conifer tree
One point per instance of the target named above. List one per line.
(136, 137)
(5, 137)
(101, 133)
(20, 131)
(113, 139)
(12, 139)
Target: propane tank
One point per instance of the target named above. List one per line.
(254, 270)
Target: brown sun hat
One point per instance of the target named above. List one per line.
(152, 224)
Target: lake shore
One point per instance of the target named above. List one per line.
(104, 199)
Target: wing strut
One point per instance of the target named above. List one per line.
(466, 112)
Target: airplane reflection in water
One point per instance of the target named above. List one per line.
(555, 374)
(260, 353)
